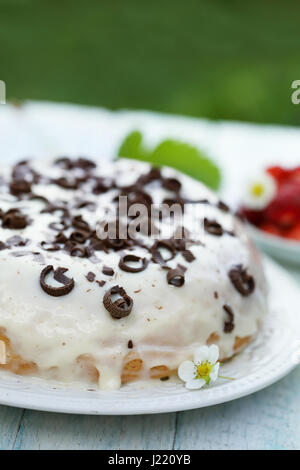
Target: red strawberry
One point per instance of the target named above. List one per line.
(282, 216)
(294, 234)
(284, 210)
(270, 228)
(284, 175)
(295, 175)
(278, 173)
(254, 217)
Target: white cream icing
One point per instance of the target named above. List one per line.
(166, 323)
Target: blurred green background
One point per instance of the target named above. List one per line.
(224, 59)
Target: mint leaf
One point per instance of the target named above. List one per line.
(188, 159)
(176, 154)
(132, 147)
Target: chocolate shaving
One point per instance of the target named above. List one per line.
(91, 276)
(138, 196)
(69, 164)
(78, 250)
(102, 185)
(3, 246)
(59, 276)
(16, 241)
(63, 162)
(175, 277)
(14, 220)
(130, 344)
(223, 207)
(79, 236)
(101, 283)
(19, 254)
(133, 258)
(68, 284)
(38, 257)
(50, 246)
(23, 172)
(178, 200)
(213, 228)
(52, 208)
(230, 232)
(199, 201)
(188, 256)
(83, 204)
(146, 178)
(242, 281)
(116, 244)
(19, 187)
(37, 197)
(229, 324)
(97, 245)
(58, 226)
(121, 307)
(61, 238)
(66, 183)
(108, 271)
(84, 164)
(80, 224)
(156, 254)
(172, 184)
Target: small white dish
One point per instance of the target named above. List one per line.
(274, 354)
(280, 248)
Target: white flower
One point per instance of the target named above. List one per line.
(259, 192)
(203, 370)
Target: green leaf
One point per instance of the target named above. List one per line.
(188, 159)
(132, 147)
(176, 154)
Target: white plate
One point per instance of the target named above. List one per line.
(284, 250)
(275, 353)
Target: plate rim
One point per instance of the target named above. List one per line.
(273, 239)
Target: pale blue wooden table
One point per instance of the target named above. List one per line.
(269, 419)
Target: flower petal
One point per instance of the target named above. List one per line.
(213, 354)
(186, 371)
(215, 372)
(201, 354)
(260, 191)
(195, 384)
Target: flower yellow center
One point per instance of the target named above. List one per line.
(257, 189)
(203, 370)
